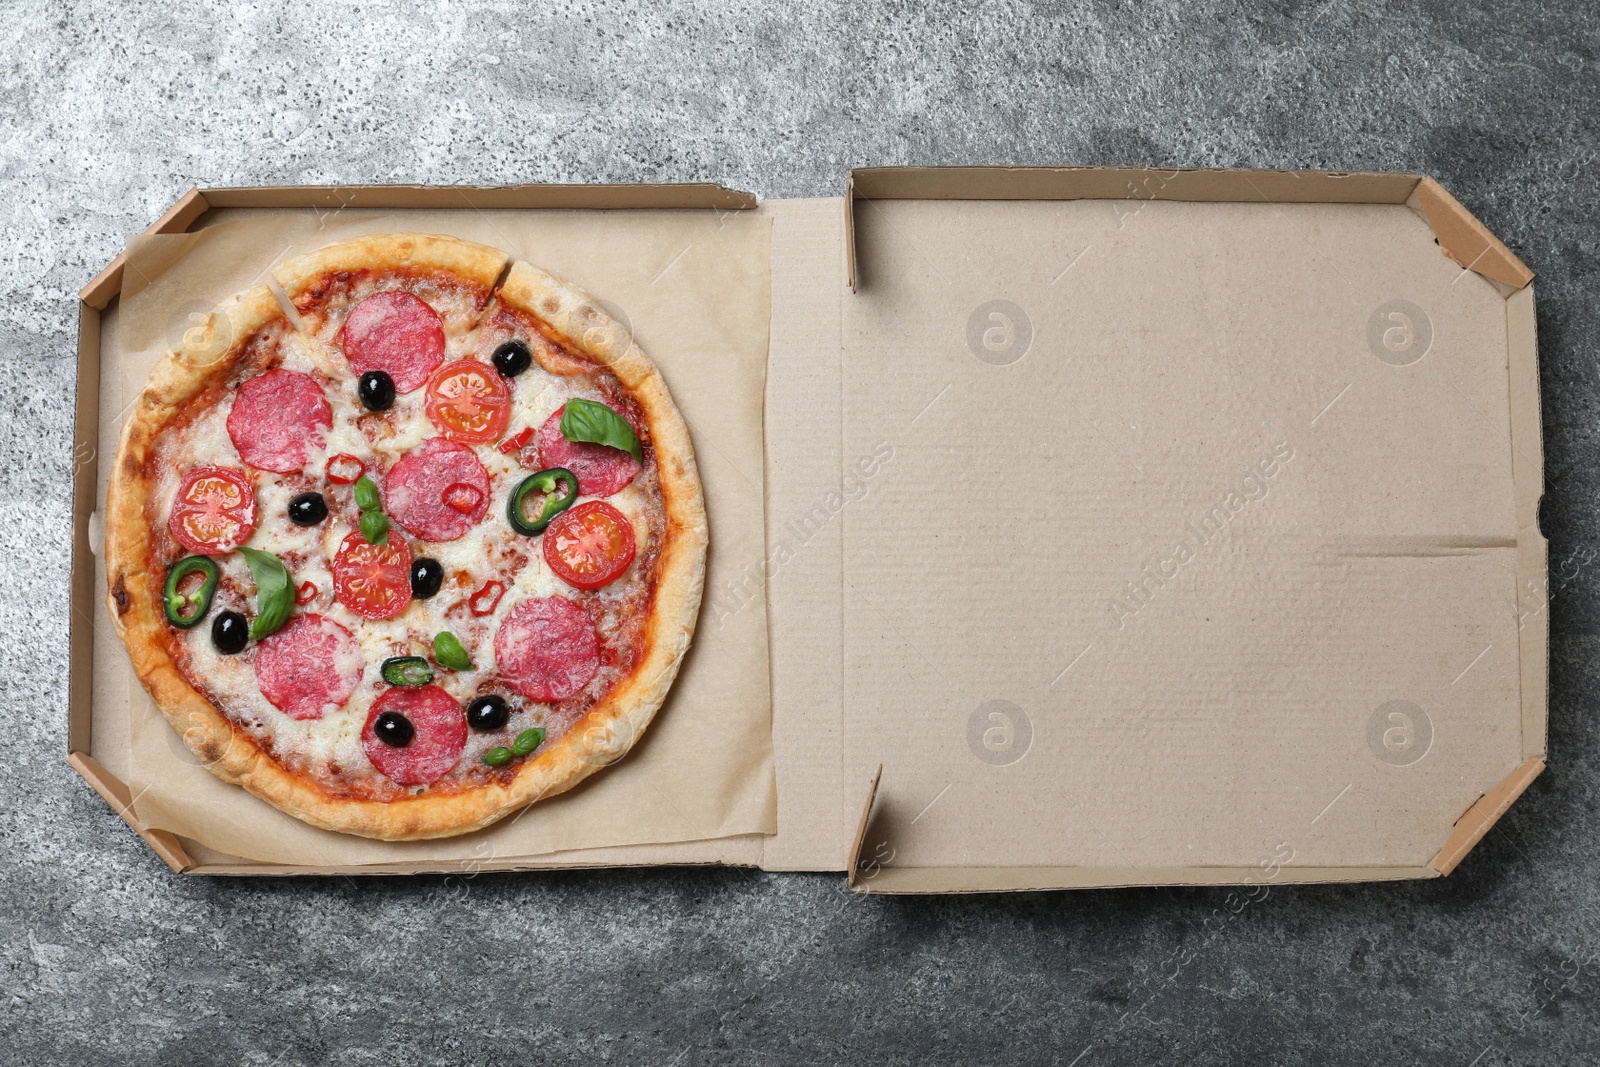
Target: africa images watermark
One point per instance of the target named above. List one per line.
(1165, 565)
(733, 595)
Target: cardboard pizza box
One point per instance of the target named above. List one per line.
(1121, 527)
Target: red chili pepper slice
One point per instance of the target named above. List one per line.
(345, 469)
(463, 497)
(517, 442)
(485, 600)
(305, 592)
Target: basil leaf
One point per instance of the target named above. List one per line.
(527, 741)
(274, 592)
(448, 651)
(367, 495)
(585, 420)
(375, 528)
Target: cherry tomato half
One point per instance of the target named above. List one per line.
(214, 510)
(590, 545)
(374, 581)
(468, 401)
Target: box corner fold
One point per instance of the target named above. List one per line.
(115, 793)
(1480, 818)
(1464, 239)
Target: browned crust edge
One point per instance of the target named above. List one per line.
(604, 735)
(476, 263)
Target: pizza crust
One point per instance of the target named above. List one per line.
(606, 733)
(429, 252)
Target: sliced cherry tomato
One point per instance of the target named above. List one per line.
(468, 401)
(517, 441)
(374, 581)
(345, 469)
(463, 497)
(589, 546)
(214, 510)
(485, 600)
(305, 592)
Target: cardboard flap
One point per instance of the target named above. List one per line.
(1466, 240)
(855, 874)
(1128, 184)
(178, 218)
(1479, 819)
(487, 197)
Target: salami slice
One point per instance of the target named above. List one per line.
(438, 734)
(600, 469)
(438, 491)
(309, 668)
(547, 648)
(277, 418)
(396, 333)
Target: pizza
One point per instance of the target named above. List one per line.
(409, 542)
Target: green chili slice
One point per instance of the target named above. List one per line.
(185, 610)
(407, 670)
(547, 482)
(448, 651)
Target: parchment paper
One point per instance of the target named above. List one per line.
(694, 286)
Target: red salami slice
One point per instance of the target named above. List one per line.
(277, 418)
(396, 333)
(309, 668)
(438, 734)
(438, 491)
(547, 648)
(601, 470)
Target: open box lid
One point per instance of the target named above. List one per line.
(1155, 527)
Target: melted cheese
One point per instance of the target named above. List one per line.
(329, 748)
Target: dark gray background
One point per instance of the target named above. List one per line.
(105, 118)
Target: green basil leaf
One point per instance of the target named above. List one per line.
(527, 741)
(274, 592)
(585, 420)
(367, 495)
(448, 651)
(375, 528)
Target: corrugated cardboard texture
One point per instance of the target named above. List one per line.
(693, 285)
(1180, 552)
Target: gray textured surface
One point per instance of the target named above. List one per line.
(105, 957)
